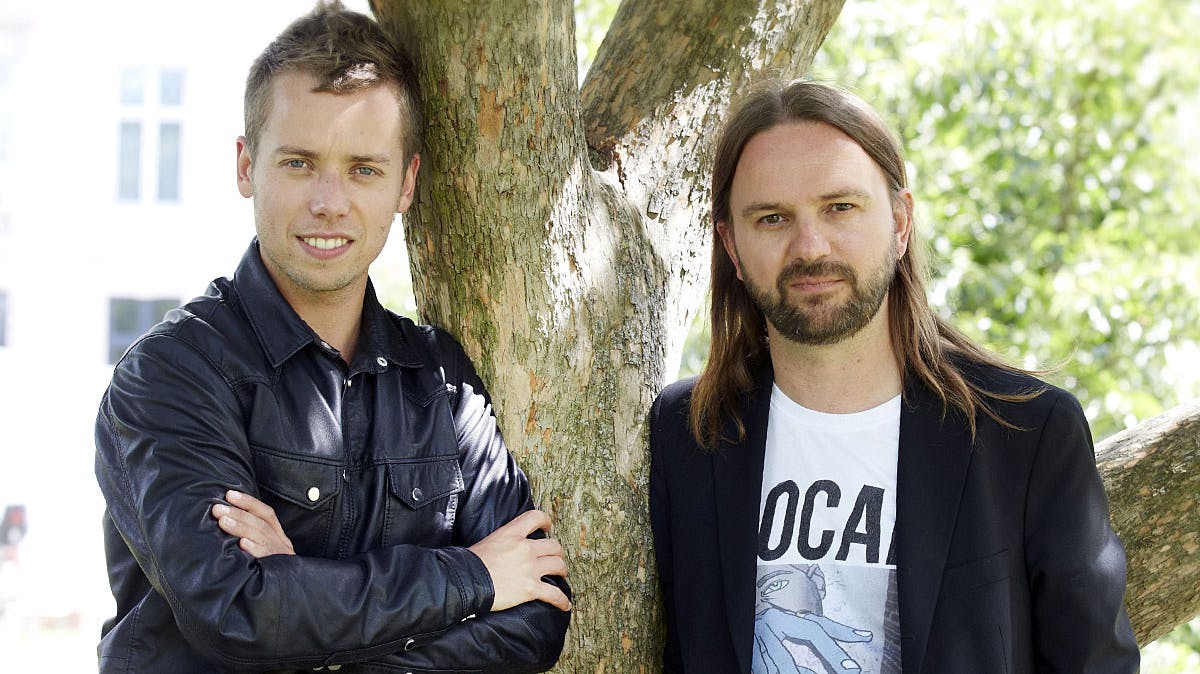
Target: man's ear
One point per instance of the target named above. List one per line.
(244, 182)
(726, 234)
(902, 217)
(410, 184)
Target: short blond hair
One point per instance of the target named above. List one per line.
(346, 51)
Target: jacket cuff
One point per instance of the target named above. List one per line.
(472, 579)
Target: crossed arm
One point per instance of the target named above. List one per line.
(515, 562)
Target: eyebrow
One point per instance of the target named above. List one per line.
(369, 159)
(297, 151)
(760, 206)
(844, 194)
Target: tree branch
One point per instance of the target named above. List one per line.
(1152, 474)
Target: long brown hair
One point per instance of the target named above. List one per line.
(928, 347)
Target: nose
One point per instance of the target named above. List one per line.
(809, 241)
(329, 198)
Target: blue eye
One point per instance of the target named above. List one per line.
(841, 207)
(365, 171)
(296, 163)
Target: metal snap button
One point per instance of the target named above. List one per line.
(381, 361)
(314, 494)
(417, 494)
(409, 644)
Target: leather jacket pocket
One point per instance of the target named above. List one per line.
(425, 427)
(302, 491)
(424, 498)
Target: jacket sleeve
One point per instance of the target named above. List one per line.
(660, 524)
(525, 638)
(1076, 562)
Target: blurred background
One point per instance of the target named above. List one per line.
(1050, 145)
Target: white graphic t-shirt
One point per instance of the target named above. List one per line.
(826, 586)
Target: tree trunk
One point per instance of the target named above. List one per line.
(555, 233)
(1152, 473)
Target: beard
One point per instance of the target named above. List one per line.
(819, 320)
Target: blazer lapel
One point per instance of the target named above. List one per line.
(934, 455)
(737, 479)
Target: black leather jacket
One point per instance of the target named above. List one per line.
(381, 473)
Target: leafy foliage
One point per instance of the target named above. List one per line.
(591, 23)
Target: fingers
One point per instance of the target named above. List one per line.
(258, 530)
(250, 504)
(257, 550)
(546, 547)
(527, 523)
(538, 589)
(250, 530)
(255, 507)
(240, 522)
(553, 596)
(551, 566)
(517, 563)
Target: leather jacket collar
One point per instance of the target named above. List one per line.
(282, 333)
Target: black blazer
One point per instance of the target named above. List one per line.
(1006, 561)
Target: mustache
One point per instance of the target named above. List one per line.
(820, 269)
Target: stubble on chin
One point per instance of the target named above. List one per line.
(822, 320)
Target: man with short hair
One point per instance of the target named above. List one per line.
(852, 485)
(296, 478)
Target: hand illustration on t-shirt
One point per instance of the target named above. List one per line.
(789, 608)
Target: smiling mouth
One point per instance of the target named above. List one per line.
(323, 243)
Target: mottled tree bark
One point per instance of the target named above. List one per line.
(561, 233)
(558, 230)
(1152, 473)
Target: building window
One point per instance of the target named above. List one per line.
(129, 162)
(168, 161)
(170, 87)
(150, 134)
(3, 318)
(130, 318)
(132, 86)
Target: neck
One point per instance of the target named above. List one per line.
(855, 374)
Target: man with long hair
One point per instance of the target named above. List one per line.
(295, 477)
(943, 507)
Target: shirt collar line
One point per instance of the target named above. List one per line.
(280, 330)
